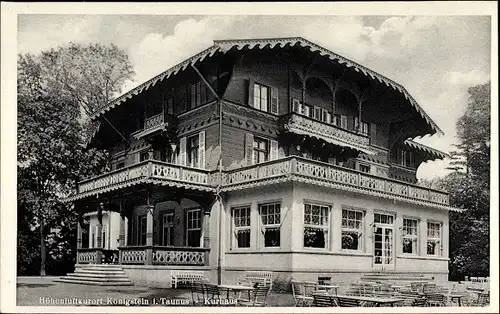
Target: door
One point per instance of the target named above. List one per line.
(167, 238)
(383, 242)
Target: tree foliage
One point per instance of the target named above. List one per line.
(55, 89)
(469, 188)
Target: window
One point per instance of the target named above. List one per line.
(270, 215)
(193, 228)
(316, 226)
(383, 219)
(197, 94)
(336, 119)
(403, 157)
(306, 110)
(142, 230)
(260, 150)
(260, 97)
(365, 129)
(410, 236)
(104, 236)
(93, 236)
(352, 229)
(364, 168)
(167, 230)
(241, 227)
(143, 156)
(343, 122)
(192, 151)
(410, 159)
(169, 105)
(317, 113)
(434, 238)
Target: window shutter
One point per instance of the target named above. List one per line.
(182, 151)
(251, 84)
(274, 100)
(249, 149)
(373, 134)
(274, 150)
(201, 150)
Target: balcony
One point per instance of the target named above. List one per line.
(299, 169)
(154, 125)
(299, 124)
(149, 171)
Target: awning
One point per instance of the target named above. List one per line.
(436, 154)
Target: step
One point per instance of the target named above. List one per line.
(117, 280)
(93, 282)
(93, 271)
(99, 266)
(84, 275)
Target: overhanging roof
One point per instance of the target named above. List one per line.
(436, 154)
(223, 46)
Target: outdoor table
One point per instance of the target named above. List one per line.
(455, 296)
(327, 288)
(397, 287)
(377, 300)
(235, 288)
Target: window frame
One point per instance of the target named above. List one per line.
(188, 229)
(438, 240)
(165, 226)
(246, 228)
(264, 226)
(261, 100)
(412, 237)
(360, 231)
(257, 150)
(192, 161)
(325, 226)
(142, 233)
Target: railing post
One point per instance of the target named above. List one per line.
(293, 165)
(149, 236)
(206, 233)
(98, 256)
(79, 243)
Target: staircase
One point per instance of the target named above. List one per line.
(396, 278)
(97, 274)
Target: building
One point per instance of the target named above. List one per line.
(264, 154)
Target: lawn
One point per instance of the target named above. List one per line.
(38, 291)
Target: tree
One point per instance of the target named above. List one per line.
(469, 188)
(56, 91)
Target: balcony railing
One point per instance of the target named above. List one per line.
(316, 172)
(154, 121)
(297, 123)
(281, 170)
(147, 170)
(163, 255)
(96, 256)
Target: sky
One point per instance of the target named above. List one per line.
(436, 58)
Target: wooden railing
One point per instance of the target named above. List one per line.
(292, 166)
(148, 169)
(319, 172)
(154, 121)
(163, 255)
(295, 122)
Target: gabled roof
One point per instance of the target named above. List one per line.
(223, 46)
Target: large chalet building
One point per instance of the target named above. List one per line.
(264, 154)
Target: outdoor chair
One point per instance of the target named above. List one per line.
(324, 300)
(300, 296)
(258, 297)
(436, 299)
(212, 291)
(198, 293)
(344, 302)
(419, 302)
(483, 299)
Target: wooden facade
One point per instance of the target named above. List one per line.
(240, 116)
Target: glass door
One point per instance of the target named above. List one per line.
(383, 242)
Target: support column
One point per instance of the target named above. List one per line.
(423, 236)
(206, 234)
(79, 243)
(99, 234)
(149, 235)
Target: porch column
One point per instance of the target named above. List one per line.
(206, 234)
(79, 243)
(99, 234)
(149, 235)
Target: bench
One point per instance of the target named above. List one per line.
(257, 277)
(185, 276)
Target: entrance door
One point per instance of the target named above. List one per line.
(383, 242)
